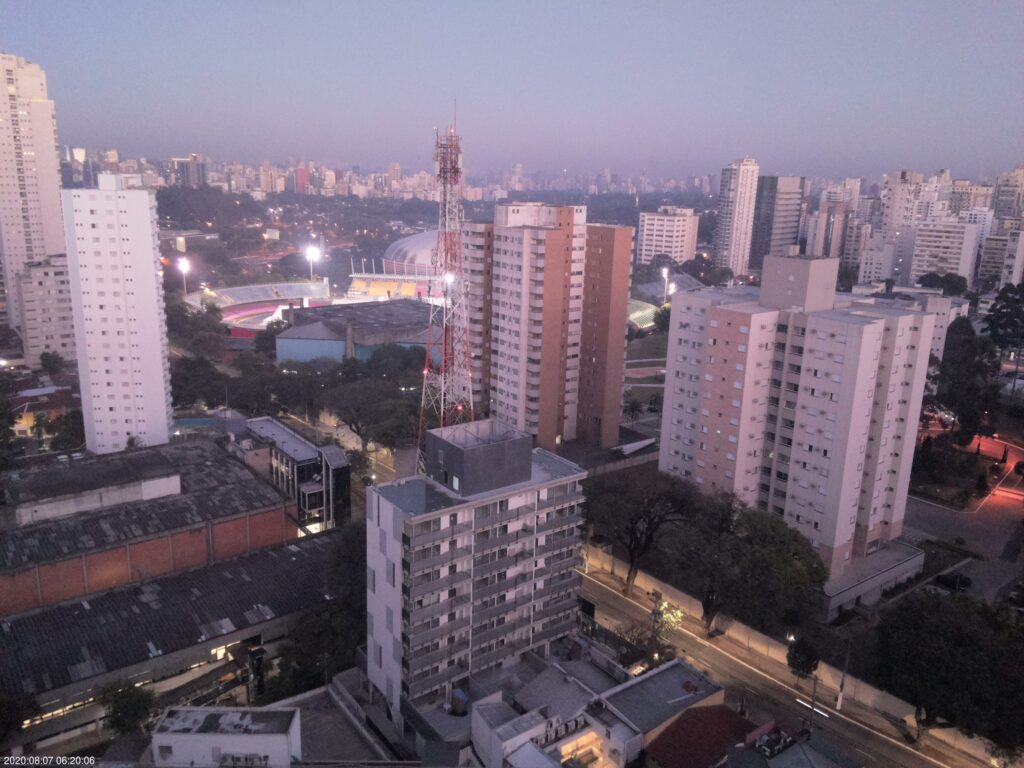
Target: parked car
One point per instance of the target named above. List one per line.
(955, 582)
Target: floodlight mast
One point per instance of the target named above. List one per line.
(447, 378)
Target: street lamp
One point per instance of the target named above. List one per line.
(184, 266)
(313, 255)
(664, 276)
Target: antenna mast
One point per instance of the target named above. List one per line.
(447, 378)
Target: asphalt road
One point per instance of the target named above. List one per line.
(876, 745)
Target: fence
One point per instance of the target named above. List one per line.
(756, 642)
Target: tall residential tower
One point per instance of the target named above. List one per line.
(736, 197)
(120, 325)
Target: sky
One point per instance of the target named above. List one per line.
(805, 87)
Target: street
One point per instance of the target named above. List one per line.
(870, 737)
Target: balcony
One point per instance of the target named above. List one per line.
(555, 609)
(436, 585)
(482, 545)
(424, 633)
(485, 614)
(419, 686)
(559, 501)
(494, 566)
(562, 585)
(482, 660)
(420, 660)
(502, 586)
(438, 609)
(566, 542)
(558, 521)
(499, 631)
(558, 567)
(432, 537)
(482, 521)
(445, 558)
(556, 630)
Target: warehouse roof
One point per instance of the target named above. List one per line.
(213, 486)
(365, 316)
(58, 646)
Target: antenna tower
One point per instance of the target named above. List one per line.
(447, 377)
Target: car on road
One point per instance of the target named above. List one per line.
(955, 582)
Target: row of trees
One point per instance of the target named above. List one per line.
(967, 379)
(736, 560)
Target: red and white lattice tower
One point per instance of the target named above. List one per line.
(447, 377)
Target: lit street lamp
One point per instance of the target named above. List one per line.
(184, 266)
(313, 255)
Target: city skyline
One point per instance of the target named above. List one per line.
(782, 87)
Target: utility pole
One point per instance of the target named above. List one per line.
(842, 680)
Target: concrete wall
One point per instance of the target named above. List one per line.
(173, 552)
(304, 350)
(63, 506)
(770, 648)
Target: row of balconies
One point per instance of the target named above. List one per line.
(424, 683)
(444, 606)
(436, 585)
(445, 558)
(424, 633)
(500, 586)
(441, 534)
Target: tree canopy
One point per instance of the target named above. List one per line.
(951, 283)
(128, 707)
(968, 379)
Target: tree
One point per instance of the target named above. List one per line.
(266, 339)
(951, 283)
(846, 279)
(1005, 323)
(194, 380)
(662, 318)
(41, 425)
(360, 406)
(51, 363)
(209, 345)
(15, 709)
(325, 639)
(128, 707)
(632, 410)
(968, 380)
(634, 510)
(932, 644)
(358, 463)
(803, 657)
(69, 432)
(748, 563)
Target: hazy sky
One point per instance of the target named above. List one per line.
(831, 88)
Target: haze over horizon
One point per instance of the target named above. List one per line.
(852, 89)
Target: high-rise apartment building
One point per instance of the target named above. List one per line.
(965, 195)
(530, 297)
(671, 231)
(191, 171)
(44, 294)
(120, 325)
(826, 229)
(777, 212)
(736, 198)
(30, 210)
(603, 339)
(801, 405)
(945, 245)
(470, 564)
(1002, 260)
(1008, 195)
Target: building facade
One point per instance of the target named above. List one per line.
(945, 246)
(778, 209)
(736, 198)
(44, 294)
(671, 231)
(118, 306)
(30, 207)
(800, 406)
(471, 564)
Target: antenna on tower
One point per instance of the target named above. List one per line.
(447, 379)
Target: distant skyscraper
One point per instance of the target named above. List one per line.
(30, 212)
(671, 231)
(120, 325)
(777, 211)
(1008, 196)
(736, 197)
(191, 171)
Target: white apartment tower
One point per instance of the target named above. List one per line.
(801, 406)
(30, 210)
(945, 245)
(671, 231)
(118, 301)
(470, 564)
(736, 198)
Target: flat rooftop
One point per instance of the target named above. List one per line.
(652, 698)
(69, 643)
(476, 433)
(54, 480)
(892, 556)
(226, 720)
(366, 316)
(214, 486)
(420, 495)
(288, 441)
